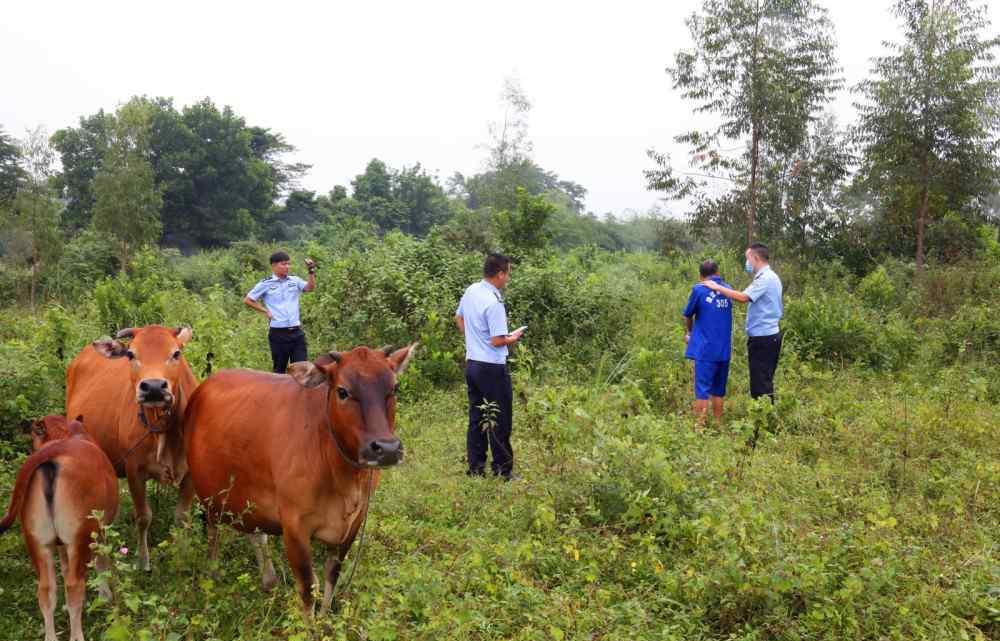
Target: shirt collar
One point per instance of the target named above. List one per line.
(716, 278)
(763, 269)
(493, 289)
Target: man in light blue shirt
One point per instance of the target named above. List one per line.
(280, 294)
(482, 318)
(765, 310)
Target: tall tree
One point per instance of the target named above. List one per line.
(219, 176)
(81, 151)
(929, 119)
(763, 69)
(127, 200)
(409, 199)
(32, 225)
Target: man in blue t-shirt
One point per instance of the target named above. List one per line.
(709, 338)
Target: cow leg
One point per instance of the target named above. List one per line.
(300, 560)
(143, 514)
(45, 567)
(74, 571)
(267, 574)
(182, 512)
(331, 572)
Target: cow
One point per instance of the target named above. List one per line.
(57, 493)
(134, 396)
(296, 454)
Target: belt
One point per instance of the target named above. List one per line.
(286, 329)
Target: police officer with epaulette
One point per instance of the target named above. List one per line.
(280, 294)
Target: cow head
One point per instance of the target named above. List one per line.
(156, 367)
(154, 354)
(362, 388)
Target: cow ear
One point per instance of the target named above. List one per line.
(109, 347)
(401, 358)
(183, 335)
(328, 359)
(307, 374)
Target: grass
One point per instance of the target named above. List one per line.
(868, 510)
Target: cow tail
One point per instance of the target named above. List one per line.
(28, 468)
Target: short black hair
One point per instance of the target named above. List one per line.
(496, 263)
(760, 251)
(279, 257)
(708, 268)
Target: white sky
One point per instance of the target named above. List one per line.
(406, 82)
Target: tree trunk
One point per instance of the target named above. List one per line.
(752, 200)
(34, 275)
(925, 190)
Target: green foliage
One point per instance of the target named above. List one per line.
(873, 476)
(9, 169)
(139, 297)
(839, 330)
(409, 199)
(523, 229)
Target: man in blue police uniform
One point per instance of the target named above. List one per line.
(709, 338)
(280, 294)
(482, 318)
(763, 331)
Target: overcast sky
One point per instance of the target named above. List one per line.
(406, 82)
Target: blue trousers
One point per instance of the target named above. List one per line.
(489, 427)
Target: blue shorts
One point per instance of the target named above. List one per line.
(710, 379)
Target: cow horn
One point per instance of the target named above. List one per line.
(386, 349)
(336, 356)
(126, 333)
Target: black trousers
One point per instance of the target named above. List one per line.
(762, 354)
(287, 346)
(491, 400)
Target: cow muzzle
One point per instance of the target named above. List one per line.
(154, 392)
(382, 453)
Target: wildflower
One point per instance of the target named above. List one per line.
(123, 550)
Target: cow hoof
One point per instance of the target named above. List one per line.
(269, 582)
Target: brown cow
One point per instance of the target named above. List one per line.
(297, 454)
(55, 493)
(134, 397)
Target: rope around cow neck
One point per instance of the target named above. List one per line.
(361, 542)
(342, 588)
(149, 429)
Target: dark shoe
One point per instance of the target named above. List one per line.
(475, 472)
(512, 477)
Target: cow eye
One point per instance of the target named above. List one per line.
(130, 355)
(177, 355)
(343, 394)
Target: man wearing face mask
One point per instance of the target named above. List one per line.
(763, 315)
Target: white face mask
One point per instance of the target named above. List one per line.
(748, 267)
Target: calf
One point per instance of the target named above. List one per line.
(56, 491)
